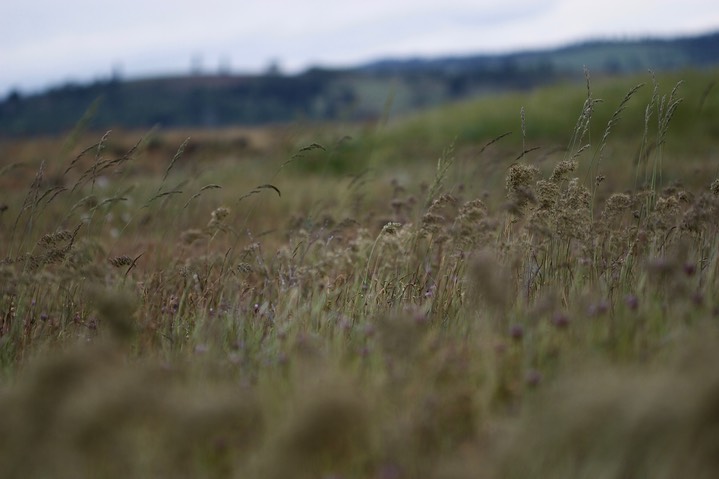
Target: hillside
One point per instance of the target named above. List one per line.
(364, 92)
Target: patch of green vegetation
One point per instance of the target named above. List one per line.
(552, 112)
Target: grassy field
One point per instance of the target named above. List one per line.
(520, 286)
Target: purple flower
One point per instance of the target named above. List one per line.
(516, 332)
(698, 298)
(533, 378)
(560, 320)
(632, 302)
(599, 309)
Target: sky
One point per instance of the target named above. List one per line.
(46, 43)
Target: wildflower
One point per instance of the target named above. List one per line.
(632, 302)
(516, 332)
(533, 378)
(560, 321)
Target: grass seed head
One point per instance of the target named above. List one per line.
(562, 170)
(547, 194)
(120, 261)
(714, 188)
(520, 176)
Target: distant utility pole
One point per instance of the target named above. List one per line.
(196, 64)
(225, 67)
(273, 68)
(116, 73)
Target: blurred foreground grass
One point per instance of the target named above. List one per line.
(421, 298)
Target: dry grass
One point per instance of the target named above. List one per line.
(262, 319)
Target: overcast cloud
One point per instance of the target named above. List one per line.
(47, 42)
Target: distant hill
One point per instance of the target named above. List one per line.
(626, 56)
(362, 92)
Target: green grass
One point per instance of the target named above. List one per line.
(422, 300)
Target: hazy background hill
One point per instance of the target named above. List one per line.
(363, 92)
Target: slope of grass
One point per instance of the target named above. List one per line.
(552, 112)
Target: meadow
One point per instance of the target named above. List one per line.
(518, 286)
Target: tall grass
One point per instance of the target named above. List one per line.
(259, 320)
